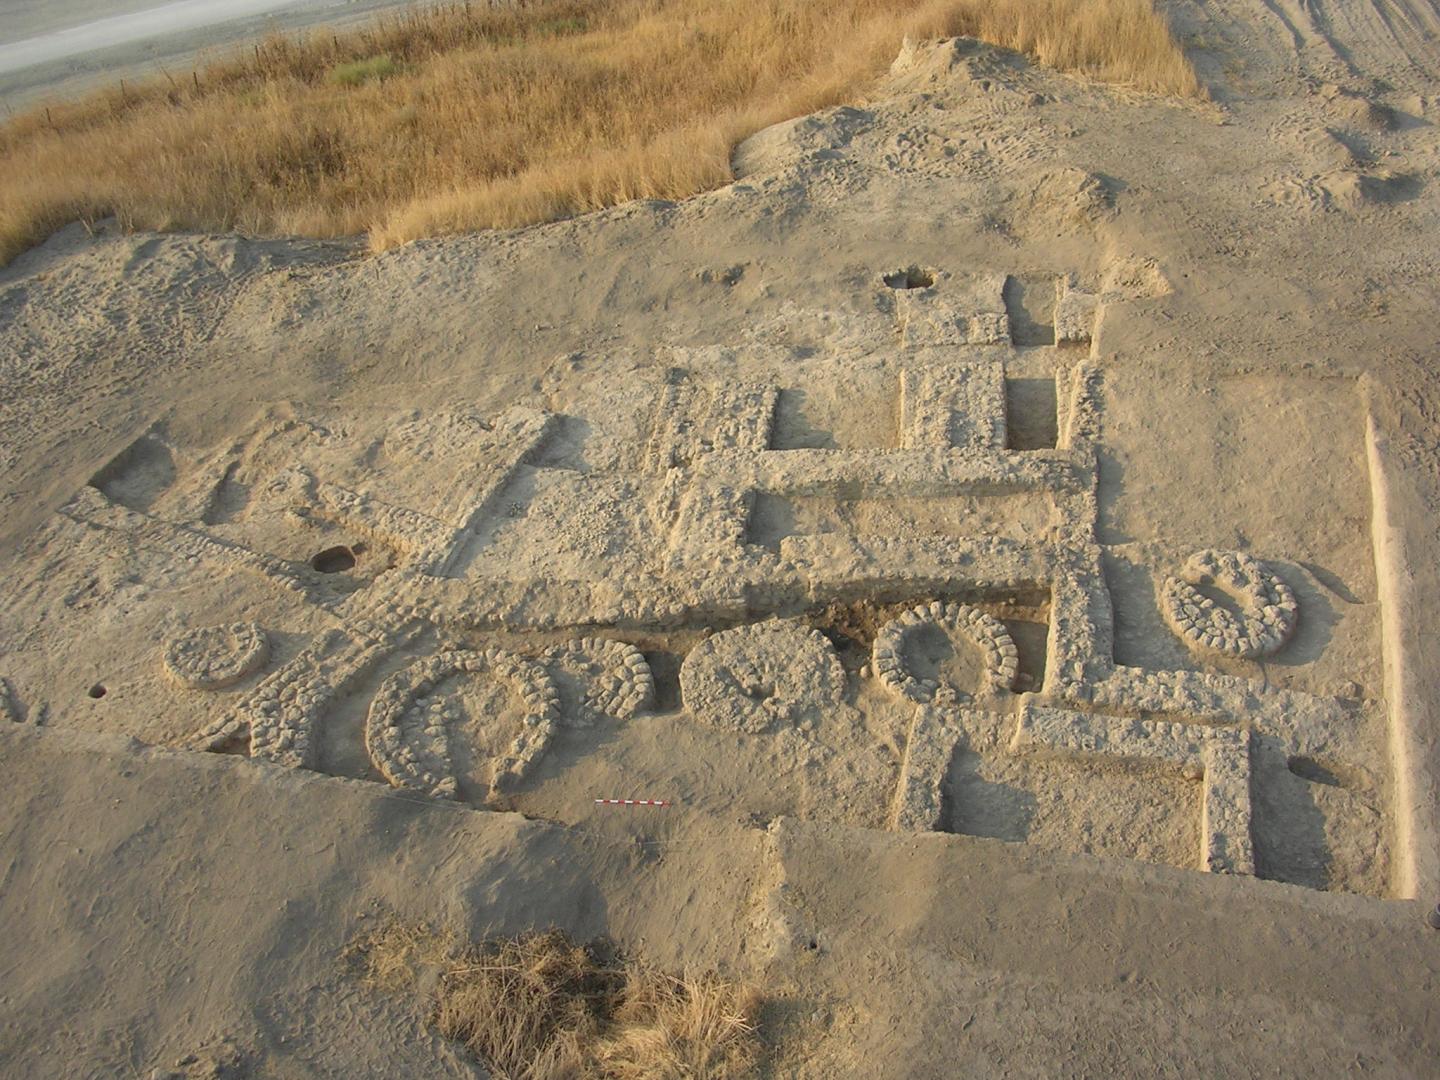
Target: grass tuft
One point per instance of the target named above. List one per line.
(469, 116)
(541, 1007)
(359, 72)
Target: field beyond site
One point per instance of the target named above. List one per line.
(465, 117)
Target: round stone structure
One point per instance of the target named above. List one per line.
(956, 621)
(757, 677)
(408, 730)
(1267, 606)
(605, 678)
(214, 657)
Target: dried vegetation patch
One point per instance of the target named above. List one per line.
(468, 116)
(541, 1007)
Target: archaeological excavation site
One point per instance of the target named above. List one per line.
(942, 587)
(973, 577)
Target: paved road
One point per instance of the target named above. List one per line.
(51, 48)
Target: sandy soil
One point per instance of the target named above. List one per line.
(1001, 522)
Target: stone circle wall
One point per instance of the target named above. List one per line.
(757, 677)
(956, 621)
(611, 678)
(214, 657)
(408, 731)
(1268, 606)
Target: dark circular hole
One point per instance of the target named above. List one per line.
(97, 691)
(335, 560)
(912, 277)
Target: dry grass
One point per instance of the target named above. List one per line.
(467, 116)
(540, 1007)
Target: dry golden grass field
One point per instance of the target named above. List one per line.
(467, 116)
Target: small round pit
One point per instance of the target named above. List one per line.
(912, 277)
(334, 560)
